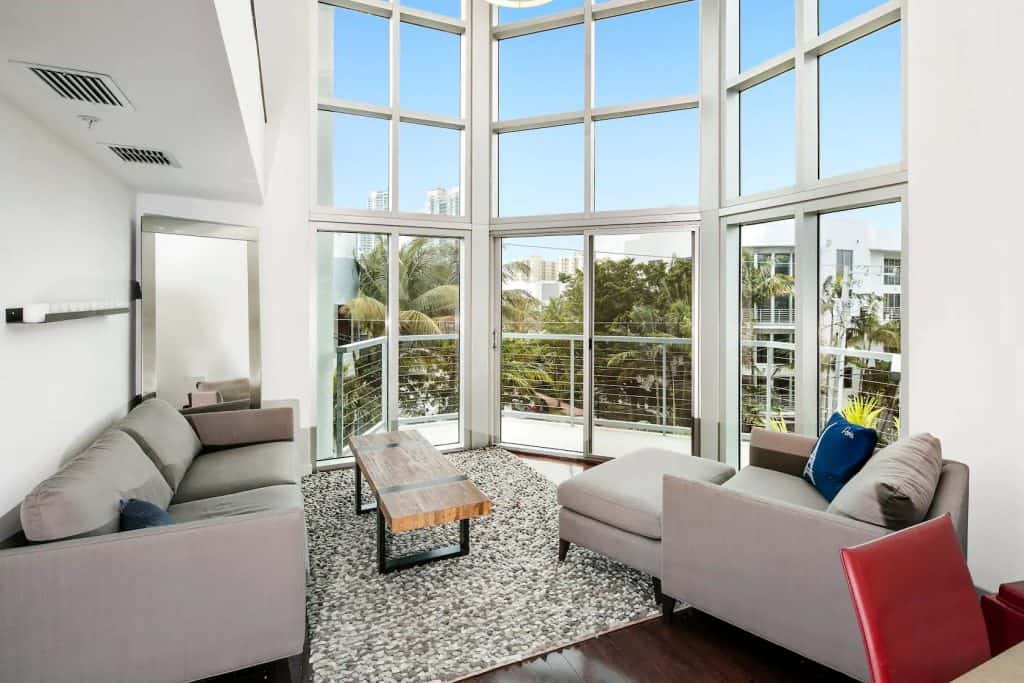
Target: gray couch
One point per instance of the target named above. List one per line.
(221, 589)
(759, 549)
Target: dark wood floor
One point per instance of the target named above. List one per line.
(695, 647)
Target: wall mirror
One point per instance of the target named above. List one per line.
(200, 314)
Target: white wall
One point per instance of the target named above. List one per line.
(65, 235)
(202, 313)
(965, 148)
(235, 19)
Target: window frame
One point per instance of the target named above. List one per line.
(806, 256)
(396, 13)
(803, 59)
(587, 15)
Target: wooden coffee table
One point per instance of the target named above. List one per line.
(415, 487)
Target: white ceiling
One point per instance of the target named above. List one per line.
(168, 57)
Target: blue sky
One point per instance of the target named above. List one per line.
(649, 161)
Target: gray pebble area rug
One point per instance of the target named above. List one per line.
(508, 599)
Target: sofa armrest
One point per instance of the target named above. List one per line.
(769, 567)
(171, 603)
(780, 451)
(242, 427)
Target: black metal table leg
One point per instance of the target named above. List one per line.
(386, 565)
(382, 543)
(360, 508)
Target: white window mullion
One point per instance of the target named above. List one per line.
(805, 272)
(806, 94)
(396, 54)
(588, 110)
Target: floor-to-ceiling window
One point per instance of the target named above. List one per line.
(757, 124)
(815, 186)
(391, 198)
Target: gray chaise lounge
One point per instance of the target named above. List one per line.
(757, 550)
(221, 589)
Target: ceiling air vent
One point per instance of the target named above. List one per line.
(138, 155)
(80, 86)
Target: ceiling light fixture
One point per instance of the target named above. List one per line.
(519, 4)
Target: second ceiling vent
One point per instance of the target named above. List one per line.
(140, 155)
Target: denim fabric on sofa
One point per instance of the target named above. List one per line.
(223, 588)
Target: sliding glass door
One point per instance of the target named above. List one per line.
(595, 354)
(542, 343)
(642, 361)
(371, 285)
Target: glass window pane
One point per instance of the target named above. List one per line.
(767, 329)
(429, 384)
(509, 14)
(541, 73)
(860, 104)
(449, 8)
(859, 316)
(625, 73)
(647, 161)
(352, 161)
(541, 171)
(430, 76)
(352, 296)
(767, 29)
(832, 13)
(768, 135)
(642, 354)
(428, 169)
(542, 369)
(353, 55)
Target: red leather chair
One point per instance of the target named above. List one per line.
(1004, 616)
(916, 604)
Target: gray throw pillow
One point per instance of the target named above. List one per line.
(84, 497)
(165, 436)
(896, 486)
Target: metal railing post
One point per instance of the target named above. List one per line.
(572, 380)
(664, 385)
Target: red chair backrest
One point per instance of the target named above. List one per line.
(916, 604)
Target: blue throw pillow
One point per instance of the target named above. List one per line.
(841, 451)
(138, 514)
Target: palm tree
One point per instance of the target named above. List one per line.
(428, 288)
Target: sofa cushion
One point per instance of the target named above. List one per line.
(841, 451)
(166, 437)
(896, 486)
(84, 497)
(282, 497)
(238, 469)
(626, 492)
(765, 483)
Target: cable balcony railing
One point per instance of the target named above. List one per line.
(640, 382)
(768, 384)
(428, 383)
(776, 316)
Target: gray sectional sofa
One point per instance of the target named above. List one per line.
(758, 548)
(221, 589)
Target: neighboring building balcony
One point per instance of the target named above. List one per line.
(770, 316)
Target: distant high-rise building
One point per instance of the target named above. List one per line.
(379, 200)
(444, 202)
(541, 270)
(365, 243)
(568, 265)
